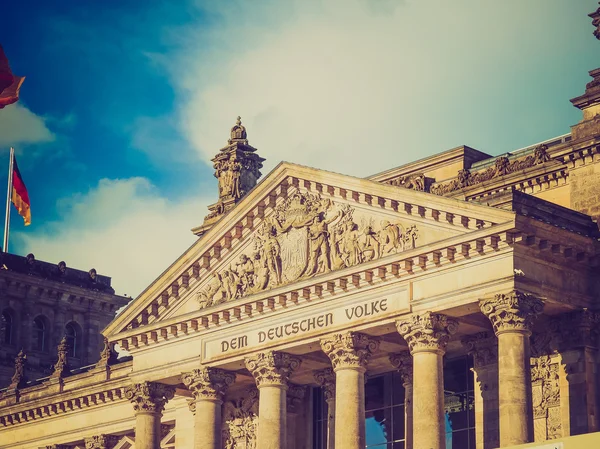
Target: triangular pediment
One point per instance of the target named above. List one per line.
(300, 223)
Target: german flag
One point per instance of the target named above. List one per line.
(20, 197)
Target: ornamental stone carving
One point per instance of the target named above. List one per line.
(513, 311)
(596, 22)
(413, 182)
(19, 380)
(349, 350)
(403, 363)
(149, 396)
(208, 383)
(107, 356)
(576, 329)
(61, 367)
(326, 380)
(240, 422)
(483, 347)
(427, 332)
(272, 368)
(502, 166)
(101, 441)
(546, 397)
(305, 236)
(294, 397)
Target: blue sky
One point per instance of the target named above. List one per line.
(125, 102)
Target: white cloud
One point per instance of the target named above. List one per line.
(358, 86)
(18, 125)
(122, 227)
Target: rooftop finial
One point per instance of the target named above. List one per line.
(596, 22)
(238, 121)
(238, 132)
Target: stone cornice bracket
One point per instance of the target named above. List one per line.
(19, 380)
(403, 363)
(427, 332)
(483, 347)
(101, 441)
(208, 383)
(512, 312)
(61, 368)
(271, 368)
(149, 397)
(349, 350)
(326, 380)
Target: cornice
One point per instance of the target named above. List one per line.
(240, 221)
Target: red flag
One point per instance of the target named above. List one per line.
(9, 83)
(20, 197)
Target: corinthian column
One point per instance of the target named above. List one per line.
(271, 371)
(326, 379)
(427, 336)
(208, 385)
(404, 364)
(512, 315)
(148, 399)
(349, 354)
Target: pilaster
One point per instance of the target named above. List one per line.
(403, 363)
(326, 380)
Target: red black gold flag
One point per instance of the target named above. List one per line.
(9, 83)
(20, 197)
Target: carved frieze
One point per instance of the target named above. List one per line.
(414, 182)
(149, 396)
(208, 383)
(349, 350)
(240, 422)
(403, 363)
(101, 441)
(326, 380)
(502, 166)
(306, 235)
(512, 311)
(271, 368)
(427, 332)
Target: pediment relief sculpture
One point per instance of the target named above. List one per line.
(307, 235)
(502, 166)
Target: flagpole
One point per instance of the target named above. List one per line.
(8, 198)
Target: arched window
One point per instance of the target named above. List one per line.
(7, 327)
(73, 339)
(40, 334)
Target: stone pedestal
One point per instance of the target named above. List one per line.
(483, 347)
(512, 315)
(427, 336)
(326, 379)
(208, 386)
(404, 364)
(148, 399)
(271, 371)
(349, 354)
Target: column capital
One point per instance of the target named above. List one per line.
(101, 441)
(208, 383)
(427, 332)
(326, 380)
(576, 329)
(294, 397)
(272, 368)
(149, 396)
(512, 311)
(349, 350)
(483, 347)
(403, 363)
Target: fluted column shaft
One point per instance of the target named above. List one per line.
(512, 316)
(326, 379)
(427, 336)
(403, 362)
(349, 354)
(209, 386)
(149, 399)
(271, 371)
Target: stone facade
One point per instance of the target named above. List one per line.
(40, 304)
(453, 299)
